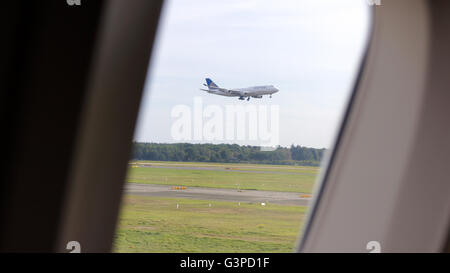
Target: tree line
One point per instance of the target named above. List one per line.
(227, 153)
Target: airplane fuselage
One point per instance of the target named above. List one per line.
(248, 92)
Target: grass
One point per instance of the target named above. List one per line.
(228, 176)
(149, 224)
(220, 164)
(155, 224)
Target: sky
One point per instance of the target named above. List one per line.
(309, 49)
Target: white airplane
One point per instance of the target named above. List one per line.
(254, 91)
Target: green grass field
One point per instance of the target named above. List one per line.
(149, 224)
(154, 224)
(312, 169)
(230, 176)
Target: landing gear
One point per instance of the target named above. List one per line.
(270, 96)
(243, 98)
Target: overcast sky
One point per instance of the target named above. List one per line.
(309, 49)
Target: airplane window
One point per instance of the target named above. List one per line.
(241, 104)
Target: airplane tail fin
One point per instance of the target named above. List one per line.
(211, 84)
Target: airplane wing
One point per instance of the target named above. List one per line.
(216, 89)
(235, 92)
(229, 91)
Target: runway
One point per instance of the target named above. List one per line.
(214, 194)
(220, 168)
